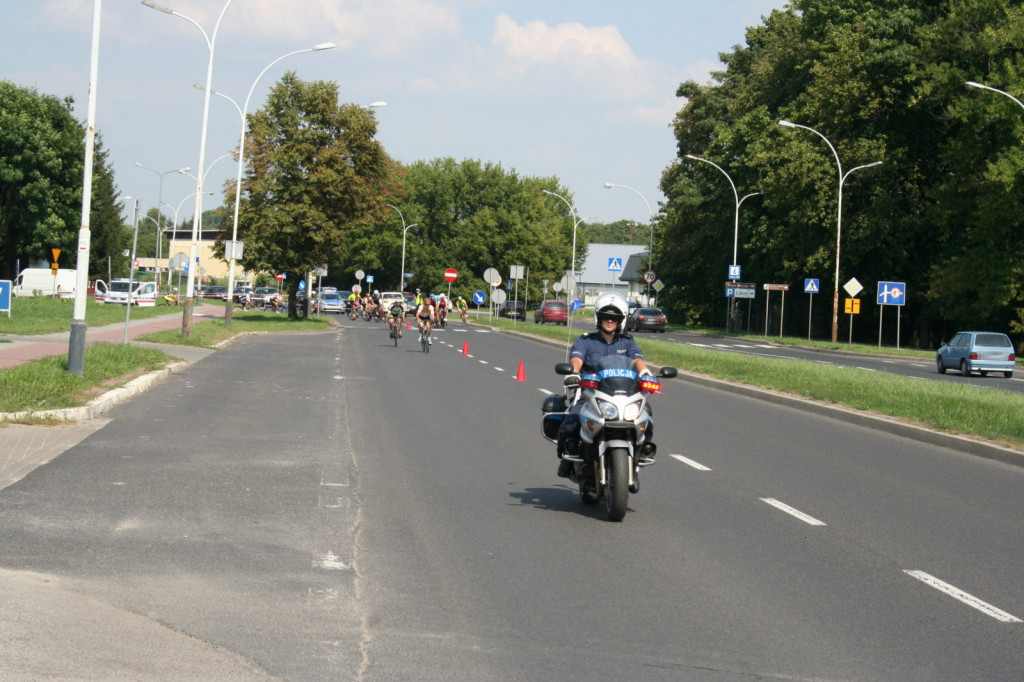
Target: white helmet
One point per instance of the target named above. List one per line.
(610, 305)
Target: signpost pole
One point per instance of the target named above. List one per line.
(810, 307)
(782, 312)
(881, 314)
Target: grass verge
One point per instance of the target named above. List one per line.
(211, 332)
(987, 413)
(46, 384)
(40, 315)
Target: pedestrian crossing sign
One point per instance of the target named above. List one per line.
(811, 286)
(615, 264)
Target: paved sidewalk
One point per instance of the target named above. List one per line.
(25, 447)
(51, 631)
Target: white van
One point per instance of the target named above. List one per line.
(41, 280)
(141, 293)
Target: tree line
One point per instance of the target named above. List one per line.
(881, 80)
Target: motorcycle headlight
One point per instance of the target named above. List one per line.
(609, 411)
(631, 411)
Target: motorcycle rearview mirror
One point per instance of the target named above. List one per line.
(564, 368)
(668, 372)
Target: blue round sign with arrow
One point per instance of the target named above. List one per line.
(479, 297)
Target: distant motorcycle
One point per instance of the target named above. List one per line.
(614, 423)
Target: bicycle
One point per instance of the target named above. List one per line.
(396, 331)
(463, 313)
(425, 341)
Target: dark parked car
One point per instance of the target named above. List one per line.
(981, 352)
(551, 311)
(512, 309)
(646, 319)
(217, 292)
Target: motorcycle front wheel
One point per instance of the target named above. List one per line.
(616, 497)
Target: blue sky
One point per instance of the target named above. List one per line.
(579, 89)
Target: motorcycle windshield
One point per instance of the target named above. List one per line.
(616, 374)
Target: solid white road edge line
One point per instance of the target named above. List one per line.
(793, 512)
(689, 462)
(960, 595)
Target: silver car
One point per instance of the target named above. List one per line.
(981, 352)
(330, 302)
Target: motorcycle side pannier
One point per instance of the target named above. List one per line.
(552, 414)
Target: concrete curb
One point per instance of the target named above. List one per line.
(964, 444)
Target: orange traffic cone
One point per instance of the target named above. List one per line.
(521, 373)
(408, 324)
(465, 347)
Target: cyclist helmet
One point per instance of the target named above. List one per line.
(610, 306)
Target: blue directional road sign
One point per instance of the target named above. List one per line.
(812, 286)
(5, 296)
(479, 297)
(734, 272)
(892, 293)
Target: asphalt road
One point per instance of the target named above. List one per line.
(327, 506)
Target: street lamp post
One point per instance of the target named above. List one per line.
(76, 339)
(186, 318)
(570, 290)
(736, 227)
(839, 219)
(405, 231)
(159, 211)
(241, 164)
(650, 248)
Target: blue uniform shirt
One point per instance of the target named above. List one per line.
(590, 348)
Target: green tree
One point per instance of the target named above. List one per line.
(41, 159)
(315, 174)
(109, 236)
(469, 216)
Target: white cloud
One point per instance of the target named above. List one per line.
(385, 28)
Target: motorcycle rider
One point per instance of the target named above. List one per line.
(610, 310)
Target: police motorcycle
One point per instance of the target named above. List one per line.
(614, 423)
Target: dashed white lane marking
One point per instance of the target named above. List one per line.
(331, 562)
(962, 596)
(499, 369)
(689, 462)
(545, 391)
(482, 362)
(793, 512)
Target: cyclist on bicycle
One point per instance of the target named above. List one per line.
(395, 315)
(442, 309)
(463, 307)
(425, 314)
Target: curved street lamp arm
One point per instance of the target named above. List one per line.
(974, 84)
(609, 185)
